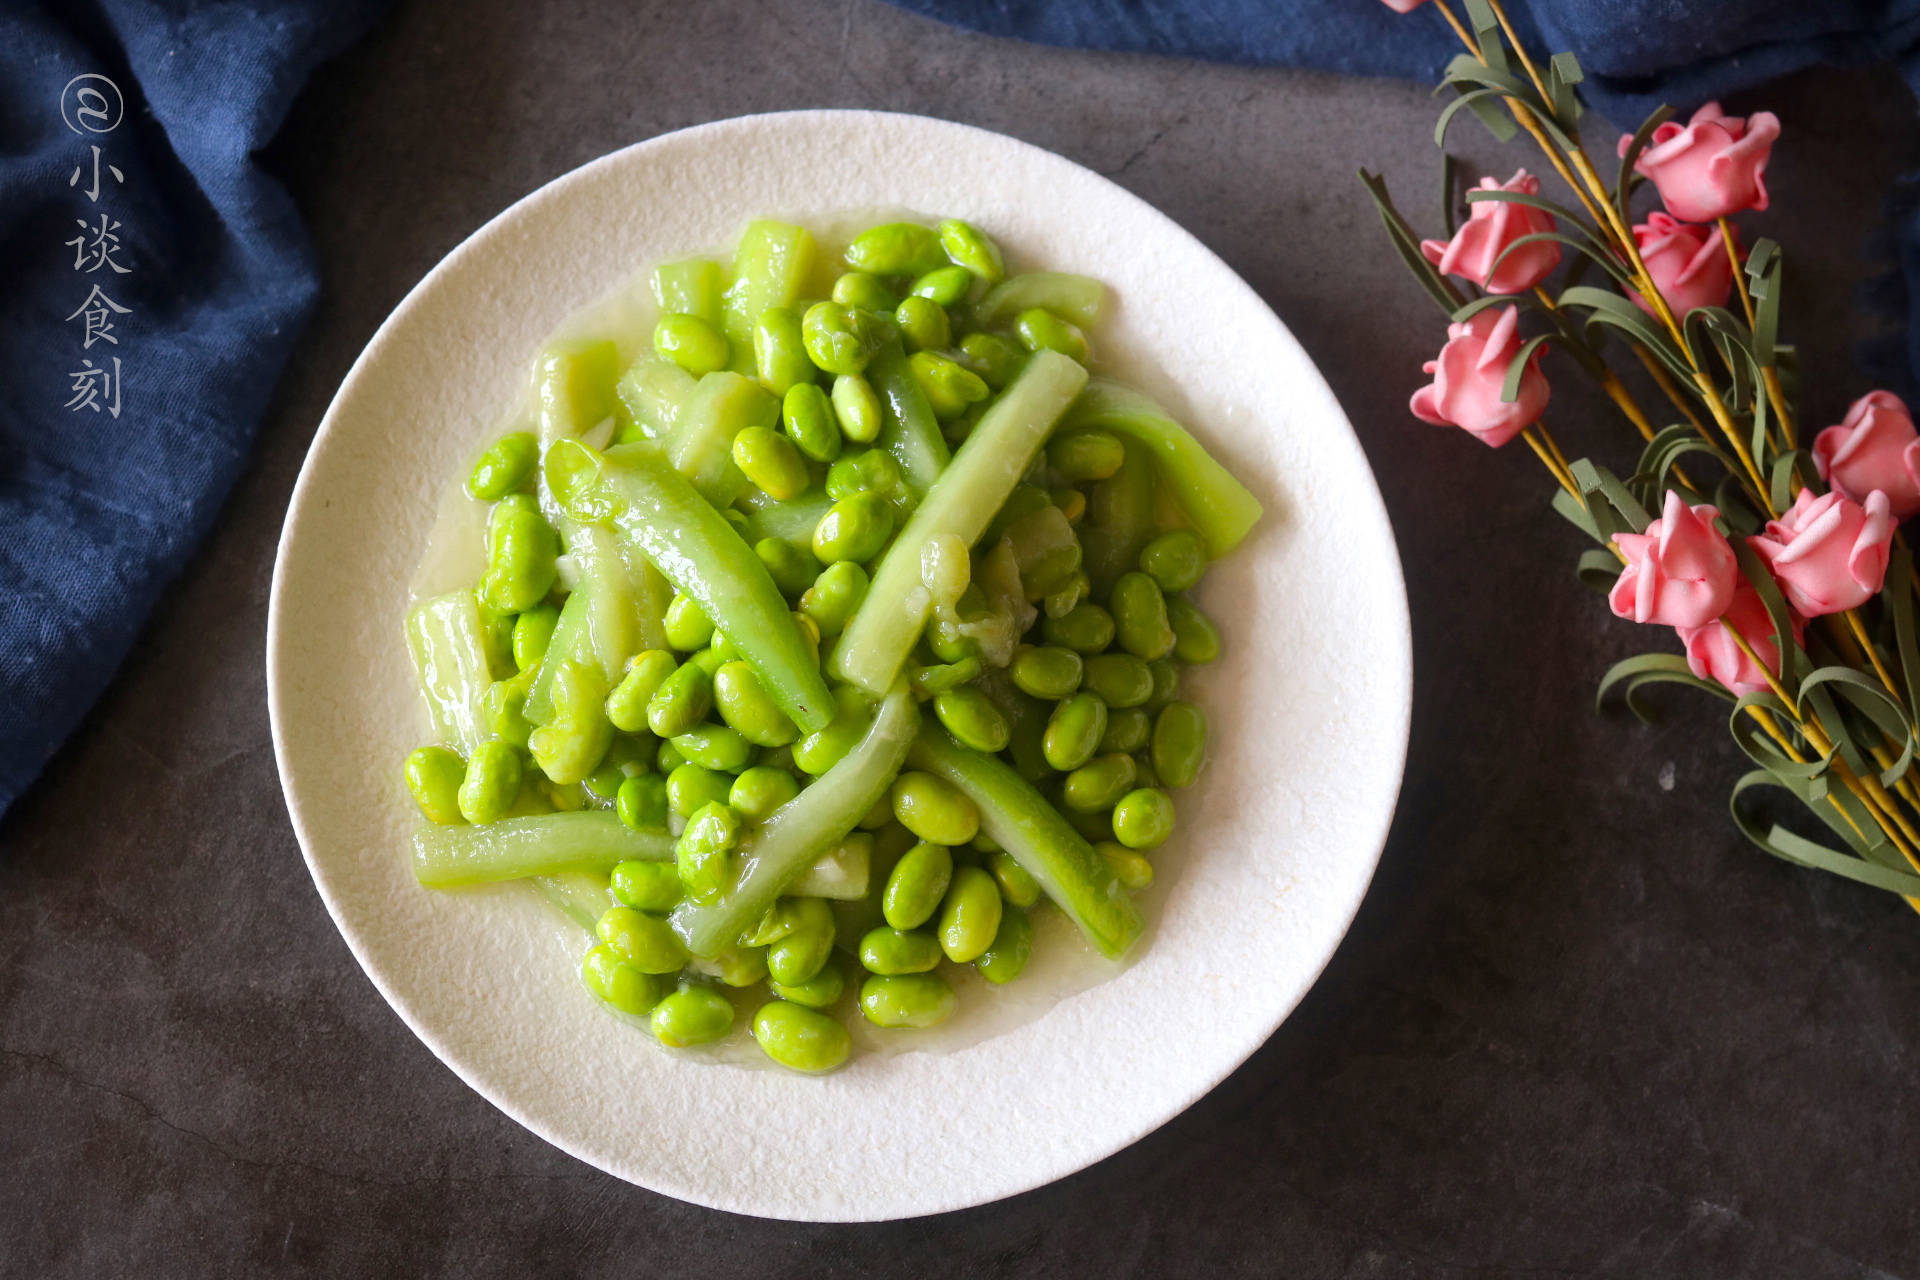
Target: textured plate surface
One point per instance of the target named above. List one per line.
(1309, 706)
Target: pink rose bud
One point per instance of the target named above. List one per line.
(1712, 654)
(1688, 264)
(1469, 374)
(1711, 166)
(1679, 573)
(1875, 448)
(1829, 552)
(1403, 6)
(1491, 226)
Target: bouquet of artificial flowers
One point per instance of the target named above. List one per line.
(1780, 568)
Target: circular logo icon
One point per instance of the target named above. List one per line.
(91, 103)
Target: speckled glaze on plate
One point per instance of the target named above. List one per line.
(1310, 703)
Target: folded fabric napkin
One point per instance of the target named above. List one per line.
(155, 280)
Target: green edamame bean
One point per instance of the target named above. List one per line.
(933, 809)
(896, 249)
(1087, 629)
(742, 966)
(1093, 827)
(1017, 885)
(604, 783)
(666, 759)
(1047, 671)
(1128, 730)
(1144, 774)
(907, 1000)
(681, 702)
(799, 1038)
(1040, 330)
(1004, 961)
(646, 886)
(1140, 618)
(779, 353)
(856, 408)
(945, 287)
(916, 885)
(807, 417)
(1120, 679)
(1166, 684)
(1099, 783)
(505, 466)
(1059, 604)
(770, 461)
(686, 626)
(792, 569)
(642, 802)
(627, 704)
(1074, 731)
(854, 528)
(648, 943)
(690, 1016)
(744, 704)
(864, 291)
(948, 643)
(923, 323)
(1176, 559)
(1130, 867)
(818, 752)
(1084, 456)
(869, 471)
(692, 787)
(569, 747)
(946, 569)
(996, 360)
(532, 633)
(756, 793)
(969, 916)
(837, 339)
(821, 991)
(970, 716)
(948, 385)
(1179, 743)
(877, 817)
(702, 855)
(802, 954)
(888, 950)
(521, 552)
(716, 747)
(973, 249)
(1072, 504)
(434, 775)
(611, 978)
(1143, 818)
(492, 781)
(835, 595)
(1195, 639)
(691, 343)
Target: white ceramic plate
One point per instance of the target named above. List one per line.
(1275, 847)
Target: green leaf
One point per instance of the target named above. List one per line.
(1408, 245)
(1598, 569)
(1561, 212)
(1486, 33)
(1623, 190)
(1593, 479)
(1603, 260)
(1517, 367)
(1793, 659)
(1649, 669)
(1563, 73)
(1571, 509)
(1468, 310)
(1788, 847)
(1468, 99)
(1897, 595)
(1759, 745)
(1605, 307)
(1763, 274)
(1464, 74)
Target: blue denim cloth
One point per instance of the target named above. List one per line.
(127, 413)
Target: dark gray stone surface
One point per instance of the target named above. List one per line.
(1578, 1028)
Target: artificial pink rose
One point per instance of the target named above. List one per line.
(1491, 226)
(1403, 6)
(1875, 448)
(1712, 654)
(1469, 374)
(1688, 264)
(1679, 573)
(1829, 552)
(1711, 166)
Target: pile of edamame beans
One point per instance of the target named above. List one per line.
(825, 640)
